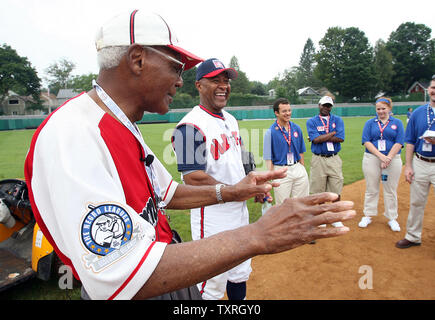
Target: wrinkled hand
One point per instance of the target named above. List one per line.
(256, 184)
(295, 222)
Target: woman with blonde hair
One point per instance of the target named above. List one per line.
(383, 138)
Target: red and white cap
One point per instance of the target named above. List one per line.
(144, 28)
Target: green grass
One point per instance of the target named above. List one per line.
(14, 146)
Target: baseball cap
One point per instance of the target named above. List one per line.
(212, 67)
(326, 100)
(144, 28)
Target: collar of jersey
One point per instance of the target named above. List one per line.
(216, 115)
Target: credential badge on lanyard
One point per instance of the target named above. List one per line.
(329, 144)
(427, 147)
(135, 131)
(382, 145)
(290, 156)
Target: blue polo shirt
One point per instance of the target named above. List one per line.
(315, 128)
(392, 134)
(275, 146)
(417, 125)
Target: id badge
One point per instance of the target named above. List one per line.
(382, 146)
(290, 158)
(330, 146)
(427, 147)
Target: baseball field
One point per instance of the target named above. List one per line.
(364, 264)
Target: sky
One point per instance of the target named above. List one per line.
(266, 36)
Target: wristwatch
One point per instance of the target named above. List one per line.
(218, 192)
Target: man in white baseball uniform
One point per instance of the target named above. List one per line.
(419, 166)
(88, 165)
(208, 148)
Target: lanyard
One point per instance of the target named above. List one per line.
(289, 140)
(429, 123)
(381, 129)
(132, 128)
(326, 126)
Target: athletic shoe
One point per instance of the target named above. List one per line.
(394, 225)
(365, 221)
(338, 224)
(322, 225)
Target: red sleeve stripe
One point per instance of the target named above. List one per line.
(167, 190)
(113, 296)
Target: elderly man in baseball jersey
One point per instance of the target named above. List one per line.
(419, 166)
(89, 164)
(284, 146)
(326, 133)
(216, 161)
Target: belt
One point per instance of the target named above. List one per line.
(326, 155)
(425, 159)
(286, 165)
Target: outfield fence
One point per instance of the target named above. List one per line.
(240, 113)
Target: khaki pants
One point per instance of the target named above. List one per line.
(294, 185)
(424, 176)
(371, 166)
(326, 174)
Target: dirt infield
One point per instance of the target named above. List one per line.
(330, 269)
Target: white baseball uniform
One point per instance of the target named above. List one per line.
(94, 200)
(222, 161)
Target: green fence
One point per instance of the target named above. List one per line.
(240, 113)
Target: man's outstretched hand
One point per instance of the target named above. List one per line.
(296, 222)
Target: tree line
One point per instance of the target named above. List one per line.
(345, 63)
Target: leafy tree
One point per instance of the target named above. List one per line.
(241, 84)
(188, 87)
(383, 67)
(59, 74)
(413, 54)
(17, 74)
(285, 85)
(258, 88)
(82, 82)
(344, 62)
(305, 72)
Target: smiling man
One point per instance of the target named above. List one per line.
(284, 146)
(208, 147)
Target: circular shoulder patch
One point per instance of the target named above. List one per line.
(106, 228)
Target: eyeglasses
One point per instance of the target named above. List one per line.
(182, 65)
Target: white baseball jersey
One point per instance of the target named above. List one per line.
(94, 200)
(224, 164)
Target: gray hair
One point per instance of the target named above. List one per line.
(110, 57)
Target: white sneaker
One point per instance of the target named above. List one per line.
(365, 221)
(338, 224)
(322, 225)
(394, 225)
